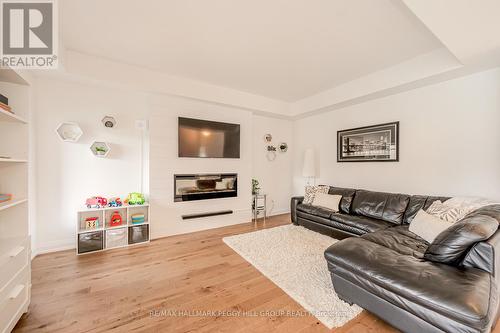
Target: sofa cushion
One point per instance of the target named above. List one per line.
(347, 197)
(399, 239)
(452, 245)
(389, 207)
(310, 192)
(315, 210)
(329, 223)
(401, 279)
(328, 201)
(364, 223)
(428, 226)
(418, 202)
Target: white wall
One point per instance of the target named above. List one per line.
(275, 177)
(449, 140)
(68, 173)
(449, 145)
(164, 163)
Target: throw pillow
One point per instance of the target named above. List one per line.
(328, 201)
(446, 212)
(311, 191)
(451, 245)
(428, 226)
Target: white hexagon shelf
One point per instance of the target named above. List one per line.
(100, 149)
(69, 132)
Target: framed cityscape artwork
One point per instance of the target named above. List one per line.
(378, 143)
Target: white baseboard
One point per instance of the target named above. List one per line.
(279, 212)
(53, 246)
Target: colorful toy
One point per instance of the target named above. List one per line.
(92, 223)
(115, 202)
(5, 197)
(96, 202)
(116, 219)
(135, 198)
(138, 218)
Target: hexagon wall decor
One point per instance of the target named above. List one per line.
(100, 149)
(69, 132)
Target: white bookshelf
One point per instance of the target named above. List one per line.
(105, 236)
(15, 242)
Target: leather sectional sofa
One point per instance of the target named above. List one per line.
(383, 267)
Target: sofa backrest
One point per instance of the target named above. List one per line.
(389, 207)
(418, 202)
(347, 197)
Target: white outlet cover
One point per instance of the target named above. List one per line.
(141, 124)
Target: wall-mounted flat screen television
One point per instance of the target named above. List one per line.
(211, 139)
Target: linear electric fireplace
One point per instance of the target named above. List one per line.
(205, 186)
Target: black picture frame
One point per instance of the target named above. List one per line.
(362, 145)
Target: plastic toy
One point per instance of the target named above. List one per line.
(115, 202)
(135, 198)
(5, 197)
(116, 219)
(137, 218)
(91, 223)
(96, 202)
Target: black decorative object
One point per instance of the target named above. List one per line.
(377, 143)
(4, 99)
(190, 187)
(283, 147)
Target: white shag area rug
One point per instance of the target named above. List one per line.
(292, 257)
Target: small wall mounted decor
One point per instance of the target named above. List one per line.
(69, 132)
(108, 121)
(283, 147)
(271, 155)
(100, 149)
(377, 143)
(268, 138)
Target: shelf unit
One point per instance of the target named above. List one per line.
(12, 203)
(12, 160)
(100, 149)
(105, 236)
(6, 116)
(15, 242)
(69, 132)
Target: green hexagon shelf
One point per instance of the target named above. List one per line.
(100, 149)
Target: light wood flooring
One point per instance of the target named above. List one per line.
(138, 289)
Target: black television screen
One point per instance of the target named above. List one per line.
(203, 138)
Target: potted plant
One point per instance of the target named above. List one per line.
(255, 186)
(100, 150)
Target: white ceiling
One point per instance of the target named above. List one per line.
(282, 49)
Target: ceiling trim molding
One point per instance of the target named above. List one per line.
(146, 80)
(423, 66)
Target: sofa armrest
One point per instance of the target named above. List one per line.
(485, 255)
(293, 208)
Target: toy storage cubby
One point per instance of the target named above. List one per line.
(108, 235)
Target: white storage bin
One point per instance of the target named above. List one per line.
(116, 237)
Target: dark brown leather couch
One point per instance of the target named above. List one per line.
(383, 267)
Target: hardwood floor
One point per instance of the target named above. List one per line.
(139, 288)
